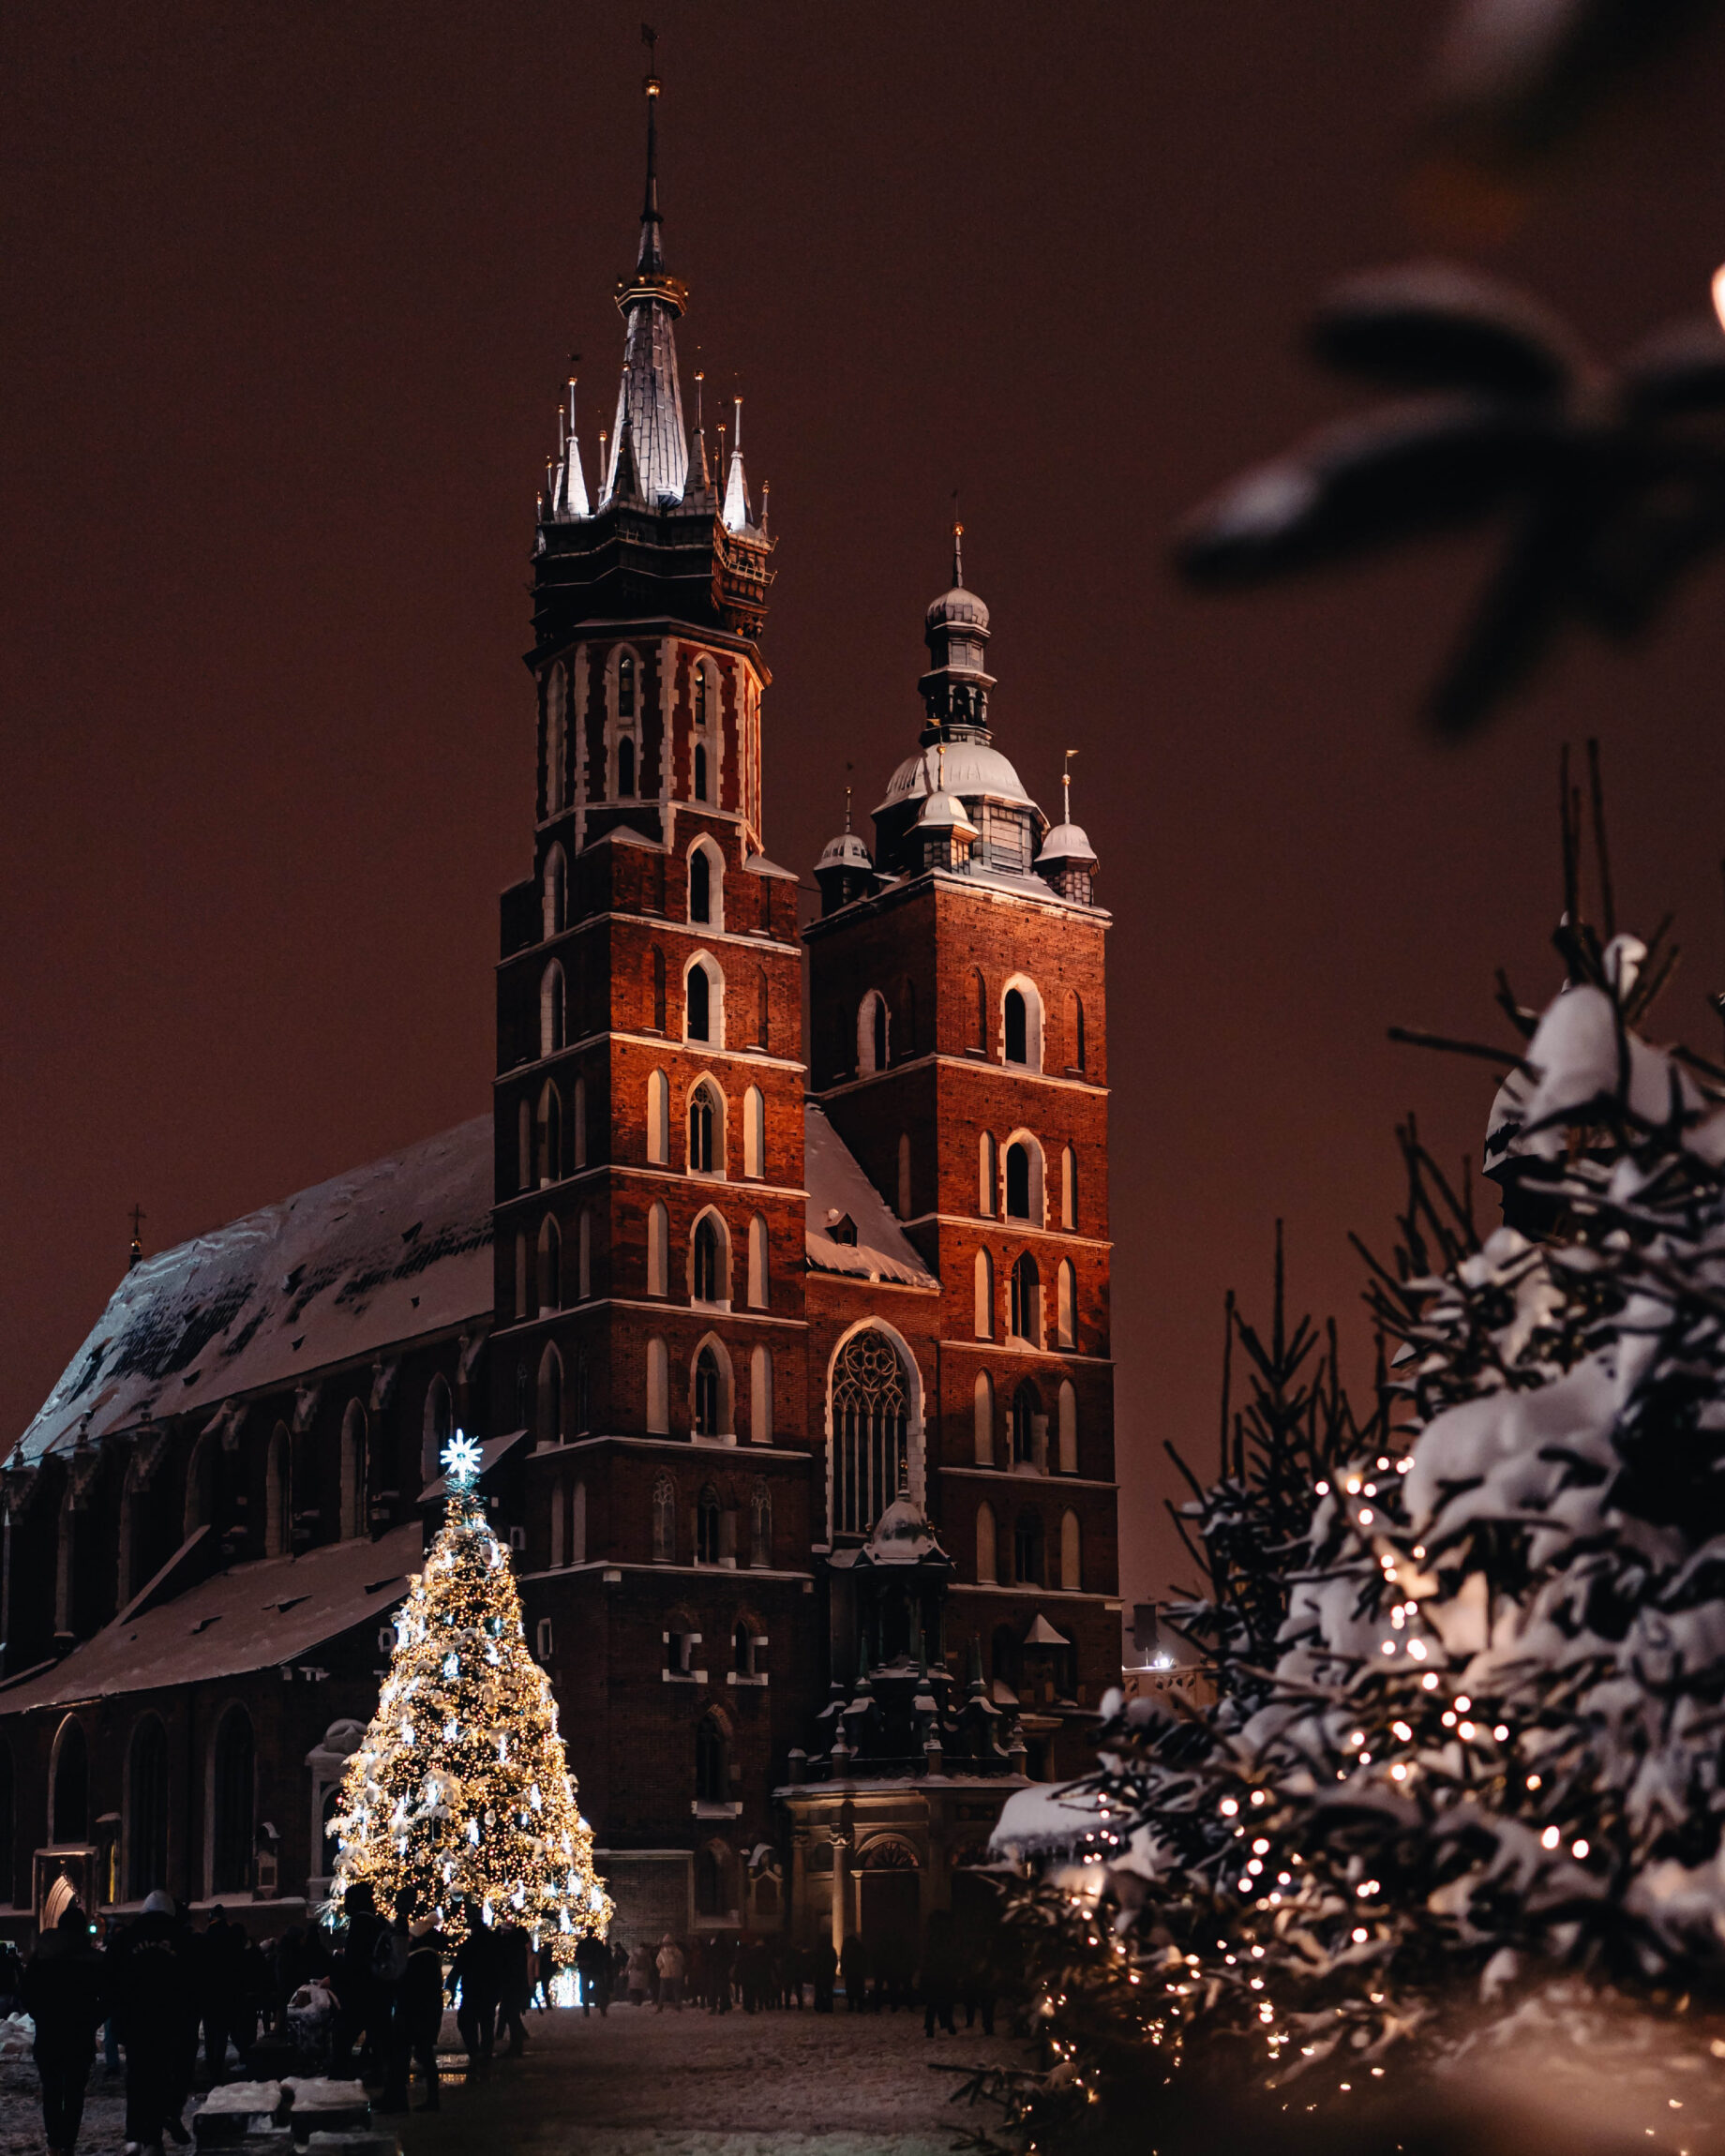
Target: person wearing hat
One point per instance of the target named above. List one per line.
(156, 2005)
(65, 1992)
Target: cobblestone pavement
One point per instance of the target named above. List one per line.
(636, 2083)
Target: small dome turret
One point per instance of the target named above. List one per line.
(845, 870)
(1067, 863)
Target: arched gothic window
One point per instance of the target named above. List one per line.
(575, 1151)
(1068, 1189)
(760, 1528)
(871, 1423)
(1027, 1550)
(1069, 1426)
(658, 1118)
(700, 771)
(704, 1122)
(988, 1559)
(625, 767)
(658, 1387)
(549, 1134)
(987, 1177)
(1017, 1029)
(1018, 1181)
(984, 1296)
(872, 1033)
(146, 1809)
(1026, 1408)
(1074, 1032)
(753, 1131)
(551, 1010)
(698, 991)
(235, 1820)
(760, 1396)
(757, 1262)
(664, 1521)
(1066, 1303)
(700, 696)
(69, 1820)
(707, 1526)
(556, 892)
(549, 1424)
(551, 1265)
(983, 1412)
(701, 886)
(658, 1250)
(1026, 1301)
(707, 1269)
(709, 1395)
(656, 983)
(625, 684)
(712, 1767)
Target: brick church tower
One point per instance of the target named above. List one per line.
(649, 1126)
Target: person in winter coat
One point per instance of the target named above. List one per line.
(592, 1965)
(514, 1983)
(361, 2000)
(419, 2004)
(389, 1959)
(156, 2005)
(823, 1965)
(671, 1967)
(853, 1968)
(640, 1972)
(939, 1984)
(478, 1975)
(64, 1989)
(219, 1959)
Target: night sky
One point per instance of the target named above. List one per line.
(289, 294)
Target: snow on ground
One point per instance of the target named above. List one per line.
(638, 2083)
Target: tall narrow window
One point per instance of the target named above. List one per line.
(548, 1427)
(706, 1282)
(555, 697)
(1069, 1428)
(701, 886)
(664, 1521)
(1015, 1026)
(552, 1011)
(70, 1788)
(700, 696)
(524, 1145)
(704, 1131)
(658, 1118)
(984, 1296)
(625, 767)
(699, 994)
(583, 1271)
(760, 1396)
(988, 1192)
(707, 1527)
(1072, 1560)
(578, 1525)
(551, 1265)
(547, 1136)
(1025, 1409)
(871, 1422)
(985, 1419)
(1065, 1303)
(1018, 1182)
(763, 1009)
(581, 1403)
(233, 1837)
(556, 884)
(1026, 1301)
(700, 771)
(986, 1559)
(757, 1262)
(1074, 1032)
(658, 1387)
(1068, 1189)
(146, 1809)
(709, 1395)
(658, 1250)
(574, 1152)
(355, 1505)
(760, 1532)
(656, 977)
(626, 685)
(559, 1516)
(753, 1131)
(980, 991)
(1027, 1550)
(712, 1772)
(523, 1277)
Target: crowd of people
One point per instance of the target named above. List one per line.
(368, 2002)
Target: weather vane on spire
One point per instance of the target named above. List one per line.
(650, 38)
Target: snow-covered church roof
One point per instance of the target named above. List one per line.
(388, 1252)
(253, 1616)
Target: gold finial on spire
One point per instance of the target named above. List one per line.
(1066, 787)
(958, 556)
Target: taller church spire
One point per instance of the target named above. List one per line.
(649, 403)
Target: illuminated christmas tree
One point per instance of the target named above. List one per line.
(460, 1799)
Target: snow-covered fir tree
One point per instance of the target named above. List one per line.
(1479, 1790)
(460, 1799)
